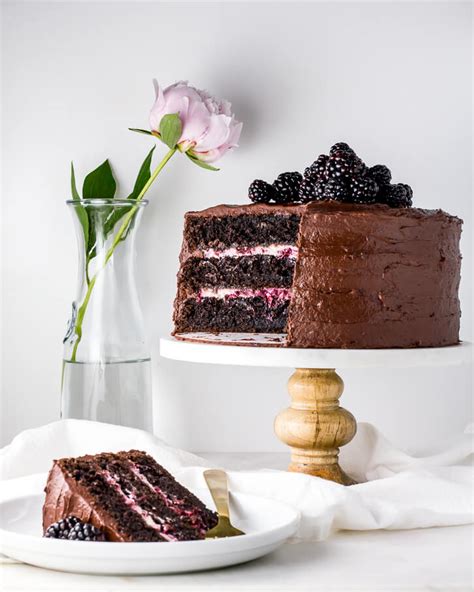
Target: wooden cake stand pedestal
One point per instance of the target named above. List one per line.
(315, 426)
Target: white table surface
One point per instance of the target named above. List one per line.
(439, 559)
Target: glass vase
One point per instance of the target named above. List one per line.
(106, 364)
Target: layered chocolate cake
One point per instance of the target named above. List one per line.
(326, 274)
(332, 258)
(127, 496)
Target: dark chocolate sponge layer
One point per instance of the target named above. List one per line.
(236, 315)
(246, 229)
(255, 271)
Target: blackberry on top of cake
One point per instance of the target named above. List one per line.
(341, 176)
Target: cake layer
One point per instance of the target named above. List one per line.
(277, 227)
(258, 271)
(240, 314)
(127, 495)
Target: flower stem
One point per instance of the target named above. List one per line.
(88, 280)
(117, 238)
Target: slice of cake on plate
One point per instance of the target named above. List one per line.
(128, 496)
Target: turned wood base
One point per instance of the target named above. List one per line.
(315, 426)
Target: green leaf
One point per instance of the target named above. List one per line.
(80, 210)
(100, 183)
(170, 129)
(201, 164)
(141, 131)
(143, 175)
(75, 194)
(91, 252)
(114, 217)
(142, 178)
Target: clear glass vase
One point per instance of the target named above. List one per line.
(106, 367)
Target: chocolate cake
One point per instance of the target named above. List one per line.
(326, 275)
(127, 495)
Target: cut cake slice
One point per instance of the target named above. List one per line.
(128, 495)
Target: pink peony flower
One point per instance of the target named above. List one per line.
(209, 128)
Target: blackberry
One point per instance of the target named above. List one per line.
(307, 191)
(344, 166)
(338, 166)
(317, 170)
(409, 192)
(339, 148)
(85, 532)
(320, 190)
(363, 190)
(336, 190)
(286, 187)
(62, 528)
(309, 174)
(261, 191)
(396, 196)
(380, 174)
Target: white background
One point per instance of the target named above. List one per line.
(392, 79)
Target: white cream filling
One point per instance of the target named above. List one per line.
(275, 250)
(129, 497)
(270, 294)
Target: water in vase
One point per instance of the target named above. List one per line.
(111, 392)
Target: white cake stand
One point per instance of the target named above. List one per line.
(314, 426)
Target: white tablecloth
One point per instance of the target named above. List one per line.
(396, 491)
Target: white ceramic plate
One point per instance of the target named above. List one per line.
(240, 349)
(267, 525)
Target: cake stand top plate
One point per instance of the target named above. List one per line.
(215, 352)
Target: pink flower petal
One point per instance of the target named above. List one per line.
(194, 126)
(234, 135)
(217, 153)
(158, 108)
(174, 99)
(209, 156)
(216, 134)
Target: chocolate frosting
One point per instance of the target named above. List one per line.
(367, 276)
(64, 497)
(376, 277)
(253, 209)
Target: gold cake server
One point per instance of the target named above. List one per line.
(217, 482)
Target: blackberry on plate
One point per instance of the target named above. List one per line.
(261, 191)
(380, 174)
(336, 190)
(307, 191)
(317, 170)
(286, 187)
(61, 528)
(396, 196)
(83, 531)
(363, 190)
(73, 529)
